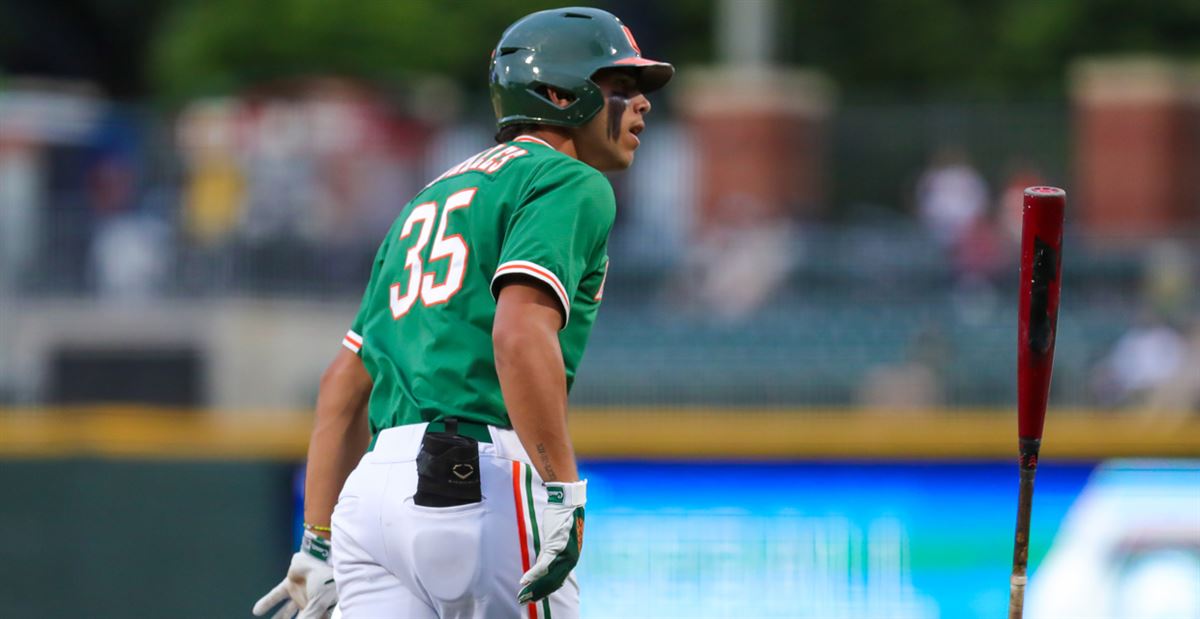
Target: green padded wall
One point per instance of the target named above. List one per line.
(87, 537)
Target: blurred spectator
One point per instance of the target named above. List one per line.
(131, 257)
(1153, 365)
(1143, 360)
(281, 183)
(214, 184)
(981, 256)
(1169, 280)
(1021, 176)
(1169, 285)
(954, 207)
(951, 196)
(983, 251)
(1179, 392)
(915, 384)
(52, 145)
(113, 178)
(737, 265)
(20, 197)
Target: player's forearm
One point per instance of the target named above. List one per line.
(339, 436)
(535, 393)
(530, 367)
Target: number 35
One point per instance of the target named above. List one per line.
(454, 247)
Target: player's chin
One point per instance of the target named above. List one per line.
(622, 161)
(625, 153)
(617, 159)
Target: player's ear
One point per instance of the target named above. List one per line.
(558, 98)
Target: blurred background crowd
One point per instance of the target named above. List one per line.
(825, 210)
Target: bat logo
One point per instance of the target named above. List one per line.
(1041, 323)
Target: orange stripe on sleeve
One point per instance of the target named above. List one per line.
(542, 274)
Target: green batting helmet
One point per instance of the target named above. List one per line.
(563, 49)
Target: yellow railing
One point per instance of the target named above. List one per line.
(153, 433)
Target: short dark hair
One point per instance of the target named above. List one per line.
(511, 132)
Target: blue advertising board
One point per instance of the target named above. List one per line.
(827, 540)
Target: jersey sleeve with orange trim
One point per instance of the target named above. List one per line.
(353, 339)
(559, 231)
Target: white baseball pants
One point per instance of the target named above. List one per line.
(394, 559)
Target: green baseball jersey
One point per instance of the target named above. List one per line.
(424, 329)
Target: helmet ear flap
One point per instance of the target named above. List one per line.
(542, 90)
(588, 101)
(583, 100)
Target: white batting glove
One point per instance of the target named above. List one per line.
(308, 591)
(562, 541)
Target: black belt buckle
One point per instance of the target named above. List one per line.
(448, 469)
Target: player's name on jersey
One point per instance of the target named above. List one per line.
(489, 161)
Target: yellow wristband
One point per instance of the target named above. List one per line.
(318, 528)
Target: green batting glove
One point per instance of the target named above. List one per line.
(562, 540)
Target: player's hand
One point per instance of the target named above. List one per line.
(308, 591)
(562, 540)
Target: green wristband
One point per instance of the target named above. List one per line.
(315, 545)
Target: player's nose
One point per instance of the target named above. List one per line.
(641, 104)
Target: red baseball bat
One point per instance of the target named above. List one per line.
(1041, 282)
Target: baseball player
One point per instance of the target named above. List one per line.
(457, 366)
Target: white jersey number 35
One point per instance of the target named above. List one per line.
(420, 283)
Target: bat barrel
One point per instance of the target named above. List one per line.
(1041, 268)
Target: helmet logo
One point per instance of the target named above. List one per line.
(629, 35)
